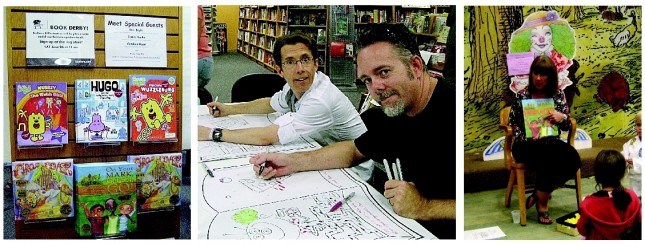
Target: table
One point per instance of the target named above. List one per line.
(236, 204)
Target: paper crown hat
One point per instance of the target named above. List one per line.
(541, 18)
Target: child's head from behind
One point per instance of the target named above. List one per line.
(609, 168)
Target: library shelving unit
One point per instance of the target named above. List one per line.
(209, 19)
(150, 225)
(313, 21)
(261, 25)
(427, 22)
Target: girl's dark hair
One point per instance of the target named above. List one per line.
(609, 170)
(543, 65)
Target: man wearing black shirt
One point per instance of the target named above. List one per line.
(416, 109)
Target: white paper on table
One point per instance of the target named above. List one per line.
(487, 233)
(209, 150)
(296, 206)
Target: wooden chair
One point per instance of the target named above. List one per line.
(517, 169)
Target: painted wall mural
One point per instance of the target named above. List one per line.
(600, 67)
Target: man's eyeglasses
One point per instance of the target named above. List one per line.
(291, 63)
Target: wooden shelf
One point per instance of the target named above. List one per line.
(150, 225)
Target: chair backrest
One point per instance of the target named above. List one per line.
(254, 86)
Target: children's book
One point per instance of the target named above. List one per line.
(152, 108)
(43, 189)
(158, 180)
(105, 199)
(101, 110)
(536, 125)
(41, 109)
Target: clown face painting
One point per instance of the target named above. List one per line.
(541, 38)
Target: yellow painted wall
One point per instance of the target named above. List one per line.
(229, 14)
(486, 92)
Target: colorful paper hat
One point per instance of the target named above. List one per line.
(541, 18)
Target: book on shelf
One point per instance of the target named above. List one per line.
(158, 180)
(43, 189)
(536, 124)
(105, 199)
(41, 113)
(153, 112)
(101, 110)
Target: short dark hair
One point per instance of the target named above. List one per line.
(404, 41)
(609, 168)
(293, 39)
(543, 65)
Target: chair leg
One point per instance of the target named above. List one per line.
(578, 188)
(509, 189)
(521, 192)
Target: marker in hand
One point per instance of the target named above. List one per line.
(262, 165)
(340, 203)
(208, 170)
(215, 106)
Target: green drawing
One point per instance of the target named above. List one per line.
(245, 216)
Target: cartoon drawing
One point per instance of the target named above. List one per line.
(36, 126)
(613, 90)
(96, 218)
(112, 219)
(37, 24)
(545, 33)
(126, 210)
(101, 100)
(152, 113)
(152, 107)
(97, 127)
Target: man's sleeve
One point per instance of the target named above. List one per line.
(311, 118)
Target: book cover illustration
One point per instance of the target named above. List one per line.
(536, 125)
(101, 111)
(105, 199)
(158, 180)
(152, 108)
(41, 109)
(43, 189)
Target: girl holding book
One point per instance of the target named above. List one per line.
(553, 160)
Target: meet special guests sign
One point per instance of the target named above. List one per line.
(135, 41)
(60, 40)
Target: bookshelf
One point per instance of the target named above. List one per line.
(210, 15)
(427, 22)
(313, 21)
(259, 26)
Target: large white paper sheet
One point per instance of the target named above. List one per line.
(209, 151)
(235, 204)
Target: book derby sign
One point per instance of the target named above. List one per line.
(60, 40)
(135, 41)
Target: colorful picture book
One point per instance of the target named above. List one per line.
(43, 189)
(153, 114)
(101, 110)
(536, 124)
(41, 109)
(105, 199)
(158, 180)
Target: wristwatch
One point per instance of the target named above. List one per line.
(217, 135)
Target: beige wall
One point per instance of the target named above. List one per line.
(229, 14)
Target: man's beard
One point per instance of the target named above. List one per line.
(394, 110)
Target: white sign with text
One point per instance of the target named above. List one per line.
(60, 40)
(135, 41)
